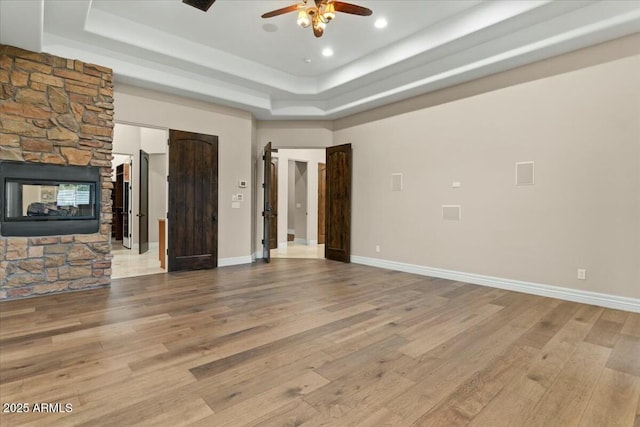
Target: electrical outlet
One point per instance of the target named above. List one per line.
(582, 274)
(378, 248)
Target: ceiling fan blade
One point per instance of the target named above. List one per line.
(317, 31)
(282, 11)
(203, 5)
(351, 8)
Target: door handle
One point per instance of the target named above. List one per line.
(214, 218)
(139, 215)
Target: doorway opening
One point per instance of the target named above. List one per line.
(299, 216)
(139, 203)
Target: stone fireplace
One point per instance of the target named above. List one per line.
(56, 111)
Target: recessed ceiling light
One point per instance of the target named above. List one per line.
(307, 60)
(380, 23)
(327, 51)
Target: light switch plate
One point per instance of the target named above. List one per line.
(240, 197)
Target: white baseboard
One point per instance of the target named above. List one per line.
(300, 241)
(225, 262)
(575, 295)
(258, 255)
(313, 243)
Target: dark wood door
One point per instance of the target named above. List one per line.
(273, 232)
(338, 203)
(268, 209)
(143, 212)
(193, 201)
(118, 206)
(322, 197)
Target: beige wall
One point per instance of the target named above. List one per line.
(581, 128)
(234, 129)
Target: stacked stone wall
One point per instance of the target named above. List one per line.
(56, 111)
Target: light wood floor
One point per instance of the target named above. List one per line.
(314, 342)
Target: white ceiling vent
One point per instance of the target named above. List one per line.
(451, 212)
(525, 173)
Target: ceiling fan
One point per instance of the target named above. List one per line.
(320, 13)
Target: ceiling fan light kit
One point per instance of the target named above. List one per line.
(320, 13)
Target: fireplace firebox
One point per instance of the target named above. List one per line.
(45, 200)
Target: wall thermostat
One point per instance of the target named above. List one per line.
(242, 183)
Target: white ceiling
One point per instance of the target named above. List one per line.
(226, 55)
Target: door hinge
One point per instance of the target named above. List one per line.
(167, 251)
(168, 141)
(263, 241)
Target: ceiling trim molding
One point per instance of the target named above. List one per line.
(614, 50)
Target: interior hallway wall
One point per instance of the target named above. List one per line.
(287, 190)
(300, 197)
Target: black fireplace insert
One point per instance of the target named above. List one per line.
(45, 200)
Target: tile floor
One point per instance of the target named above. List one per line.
(128, 263)
(296, 250)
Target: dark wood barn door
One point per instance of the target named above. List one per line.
(338, 203)
(268, 213)
(273, 232)
(143, 211)
(193, 201)
(322, 197)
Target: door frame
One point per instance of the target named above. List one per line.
(132, 174)
(310, 194)
(129, 201)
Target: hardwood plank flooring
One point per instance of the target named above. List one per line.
(314, 342)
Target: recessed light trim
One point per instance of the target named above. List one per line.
(327, 51)
(380, 23)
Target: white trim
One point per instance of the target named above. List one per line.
(283, 245)
(575, 295)
(257, 255)
(313, 243)
(300, 241)
(225, 262)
